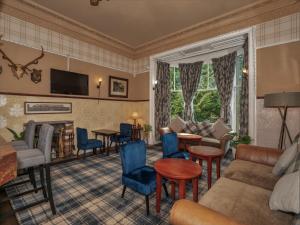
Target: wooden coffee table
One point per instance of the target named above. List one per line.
(179, 170)
(209, 154)
(187, 139)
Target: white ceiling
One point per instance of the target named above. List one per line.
(136, 22)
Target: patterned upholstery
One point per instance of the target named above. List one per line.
(170, 147)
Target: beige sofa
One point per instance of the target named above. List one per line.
(206, 141)
(241, 196)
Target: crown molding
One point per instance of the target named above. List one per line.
(247, 16)
(36, 14)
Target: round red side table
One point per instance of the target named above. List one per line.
(186, 139)
(208, 154)
(176, 170)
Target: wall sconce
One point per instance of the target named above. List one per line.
(245, 71)
(154, 84)
(98, 86)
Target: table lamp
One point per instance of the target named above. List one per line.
(135, 116)
(283, 100)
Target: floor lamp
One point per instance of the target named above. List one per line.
(282, 101)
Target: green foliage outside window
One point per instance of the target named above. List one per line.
(206, 102)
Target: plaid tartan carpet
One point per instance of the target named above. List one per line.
(88, 191)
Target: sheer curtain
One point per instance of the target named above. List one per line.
(190, 79)
(162, 97)
(224, 68)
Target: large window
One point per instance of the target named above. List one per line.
(206, 102)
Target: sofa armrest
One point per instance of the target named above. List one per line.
(253, 153)
(185, 212)
(224, 140)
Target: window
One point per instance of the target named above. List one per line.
(206, 102)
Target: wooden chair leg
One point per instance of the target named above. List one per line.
(166, 190)
(123, 192)
(43, 181)
(49, 187)
(147, 204)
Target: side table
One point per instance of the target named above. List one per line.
(179, 170)
(208, 154)
(186, 139)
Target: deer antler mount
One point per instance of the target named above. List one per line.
(20, 70)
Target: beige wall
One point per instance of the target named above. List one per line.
(138, 86)
(86, 113)
(278, 68)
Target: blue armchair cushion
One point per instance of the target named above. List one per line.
(120, 138)
(179, 155)
(141, 180)
(92, 143)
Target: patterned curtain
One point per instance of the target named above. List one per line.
(162, 97)
(224, 74)
(244, 95)
(190, 79)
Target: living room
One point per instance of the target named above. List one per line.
(122, 64)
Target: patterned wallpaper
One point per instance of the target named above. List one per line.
(33, 36)
(85, 113)
(278, 31)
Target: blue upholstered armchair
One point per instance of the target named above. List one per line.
(124, 136)
(170, 147)
(136, 175)
(83, 143)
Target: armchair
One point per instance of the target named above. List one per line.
(124, 136)
(136, 174)
(83, 143)
(170, 145)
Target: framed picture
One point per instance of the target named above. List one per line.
(118, 87)
(47, 107)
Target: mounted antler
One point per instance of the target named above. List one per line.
(19, 70)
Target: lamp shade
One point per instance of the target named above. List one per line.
(135, 115)
(289, 99)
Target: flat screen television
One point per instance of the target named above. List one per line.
(69, 83)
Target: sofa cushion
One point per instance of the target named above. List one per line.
(204, 128)
(285, 160)
(190, 128)
(286, 193)
(177, 124)
(220, 129)
(244, 203)
(209, 141)
(251, 173)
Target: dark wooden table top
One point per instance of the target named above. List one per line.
(8, 163)
(105, 132)
(177, 168)
(205, 151)
(186, 136)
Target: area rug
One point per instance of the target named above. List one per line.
(88, 191)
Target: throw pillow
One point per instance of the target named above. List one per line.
(285, 160)
(205, 129)
(220, 129)
(177, 124)
(286, 194)
(190, 128)
(295, 165)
